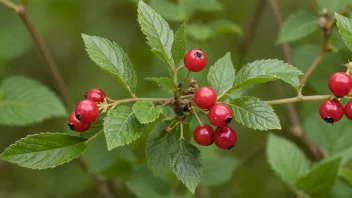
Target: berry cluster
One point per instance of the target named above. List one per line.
(219, 115)
(332, 110)
(86, 111)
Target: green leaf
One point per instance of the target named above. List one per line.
(164, 82)
(333, 5)
(95, 127)
(170, 11)
(25, 101)
(222, 74)
(297, 26)
(180, 44)
(199, 32)
(185, 163)
(145, 185)
(159, 35)
(345, 28)
(263, 71)
(120, 168)
(121, 127)
(215, 173)
(286, 159)
(320, 179)
(346, 174)
(168, 112)
(254, 113)
(146, 112)
(341, 189)
(112, 59)
(45, 150)
(202, 5)
(158, 147)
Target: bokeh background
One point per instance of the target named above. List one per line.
(61, 22)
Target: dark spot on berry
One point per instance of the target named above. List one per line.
(71, 126)
(228, 120)
(198, 55)
(85, 95)
(78, 117)
(230, 147)
(329, 120)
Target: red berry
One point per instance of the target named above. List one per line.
(205, 97)
(348, 110)
(340, 84)
(331, 111)
(87, 111)
(97, 95)
(225, 137)
(76, 125)
(220, 115)
(203, 135)
(195, 60)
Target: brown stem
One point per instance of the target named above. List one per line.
(311, 68)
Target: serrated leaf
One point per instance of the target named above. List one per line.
(146, 112)
(185, 163)
(121, 127)
(159, 35)
(164, 82)
(346, 174)
(254, 113)
(169, 10)
(158, 147)
(222, 74)
(345, 28)
(95, 127)
(286, 159)
(25, 101)
(168, 112)
(333, 5)
(297, 26)
(263, 71)
(179, 45)
(45, 150)
(112, 59)
(215, 173)
(320, 179)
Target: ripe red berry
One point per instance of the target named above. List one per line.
(348, 110)
(205, 97)
(340, 84)
(87, 111)
(220, 115)
(331, 111)
(203, 135)
(225, 137)
(97, 95)
(76, 125)
(195, 60)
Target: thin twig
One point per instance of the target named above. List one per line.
(9, 4)
(297, 99)
(311, 68)
(185, 82)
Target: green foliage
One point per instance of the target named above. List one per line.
(146, 112)
(345, 28)
(180, 44)
(335, 5)
(95, 127)
(346, 174)
(164, 82)
(25, 101)
(45, 150)
(297, 26)
(169, 10)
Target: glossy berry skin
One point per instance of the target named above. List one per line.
(204, 135)
(205, 97)
(76, 125)
(97, 95)
(220, 115)
(340, 84)
(195, 60)
(348, 110)
(331, 111)
(225, 137)
(87, 111)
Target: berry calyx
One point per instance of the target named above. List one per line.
(203, 135)
(205, 97)
(87, 111)
(331, 111)
(76, 125)
(220, 115)
(225, 137)
(340, 84)
(348, 110)
(97, 95)
(195, 60)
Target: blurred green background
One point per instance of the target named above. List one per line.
(61, 22)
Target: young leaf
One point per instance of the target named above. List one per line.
(159, 35)
(333, 5)
(121, 127)
(146, 112)
(179, 45)
(286, 159)
(222, 74)
(112, 59)
(45, 150)
(297, 26)
(169, 10)
(266, 70)
(164, 82)
(95, 127)
(25, 101)
(345, 28)
(321, 178)
(158, 147)
(185, 163)
(254, 113)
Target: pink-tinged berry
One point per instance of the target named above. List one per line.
(348, 110)
(195, 60)
(220, 115)
(205, 97)
(76, 125)
(331, 111)
(225, 137)
(87, 111)
(97, 95)
(203, 135)
(340, 84)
